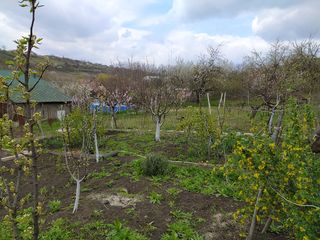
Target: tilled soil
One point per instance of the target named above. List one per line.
(56, 184)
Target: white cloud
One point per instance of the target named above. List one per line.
(105, 31)
(189, 45)
(272, 19)
(10, 31)
(76, 18)
(201, 9)
(293, 23)
(136, 45)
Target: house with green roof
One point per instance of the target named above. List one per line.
(51, 101)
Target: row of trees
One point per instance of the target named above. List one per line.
(153, 89)
(263, 80)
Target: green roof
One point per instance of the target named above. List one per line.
(44, 92)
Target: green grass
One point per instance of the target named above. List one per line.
(182, 227)
(48, 129)
(99, 175)
(203, 181)
(120, 232)
(235, 117)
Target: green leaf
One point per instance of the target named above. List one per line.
(9, 62)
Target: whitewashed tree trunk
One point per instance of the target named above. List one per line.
(158, 126)
(74, 171)
(96, 146)
(96, 137)
(209, 105)
(270, 122)
(210, 137)
(273, 110)
(41, 130)
(76, 201)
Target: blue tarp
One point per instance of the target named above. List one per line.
(105, 108)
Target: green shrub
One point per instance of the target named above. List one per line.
(57, 231)
(25, 223)
(154, 165)
(52, 143)
(96, 230)
(54, 206)
(24, 220)
(285, 172)
(79, 124)
(5, 230)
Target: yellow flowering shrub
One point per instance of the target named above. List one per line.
(288, 174)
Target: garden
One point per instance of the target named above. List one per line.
(185, 162)
(144, 189)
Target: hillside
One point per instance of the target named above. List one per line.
(60, 64)
(62, 71)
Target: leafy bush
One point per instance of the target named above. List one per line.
(57, 231)
(154, 165)
(24, 220)
(52, 143)
(54, 206)
(25, 223)
(206, 138)
(201, 132)
(286, 174)
(79, 124)
(5, 230)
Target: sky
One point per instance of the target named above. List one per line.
(159, 31)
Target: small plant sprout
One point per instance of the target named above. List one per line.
(174, 192)
(155, 197)
(54, 206)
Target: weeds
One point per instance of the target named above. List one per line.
(154, 165)
(155, 197)
(119, 232)
(54, 206)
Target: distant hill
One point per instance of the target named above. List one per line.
(60, 64)
(62, 71)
